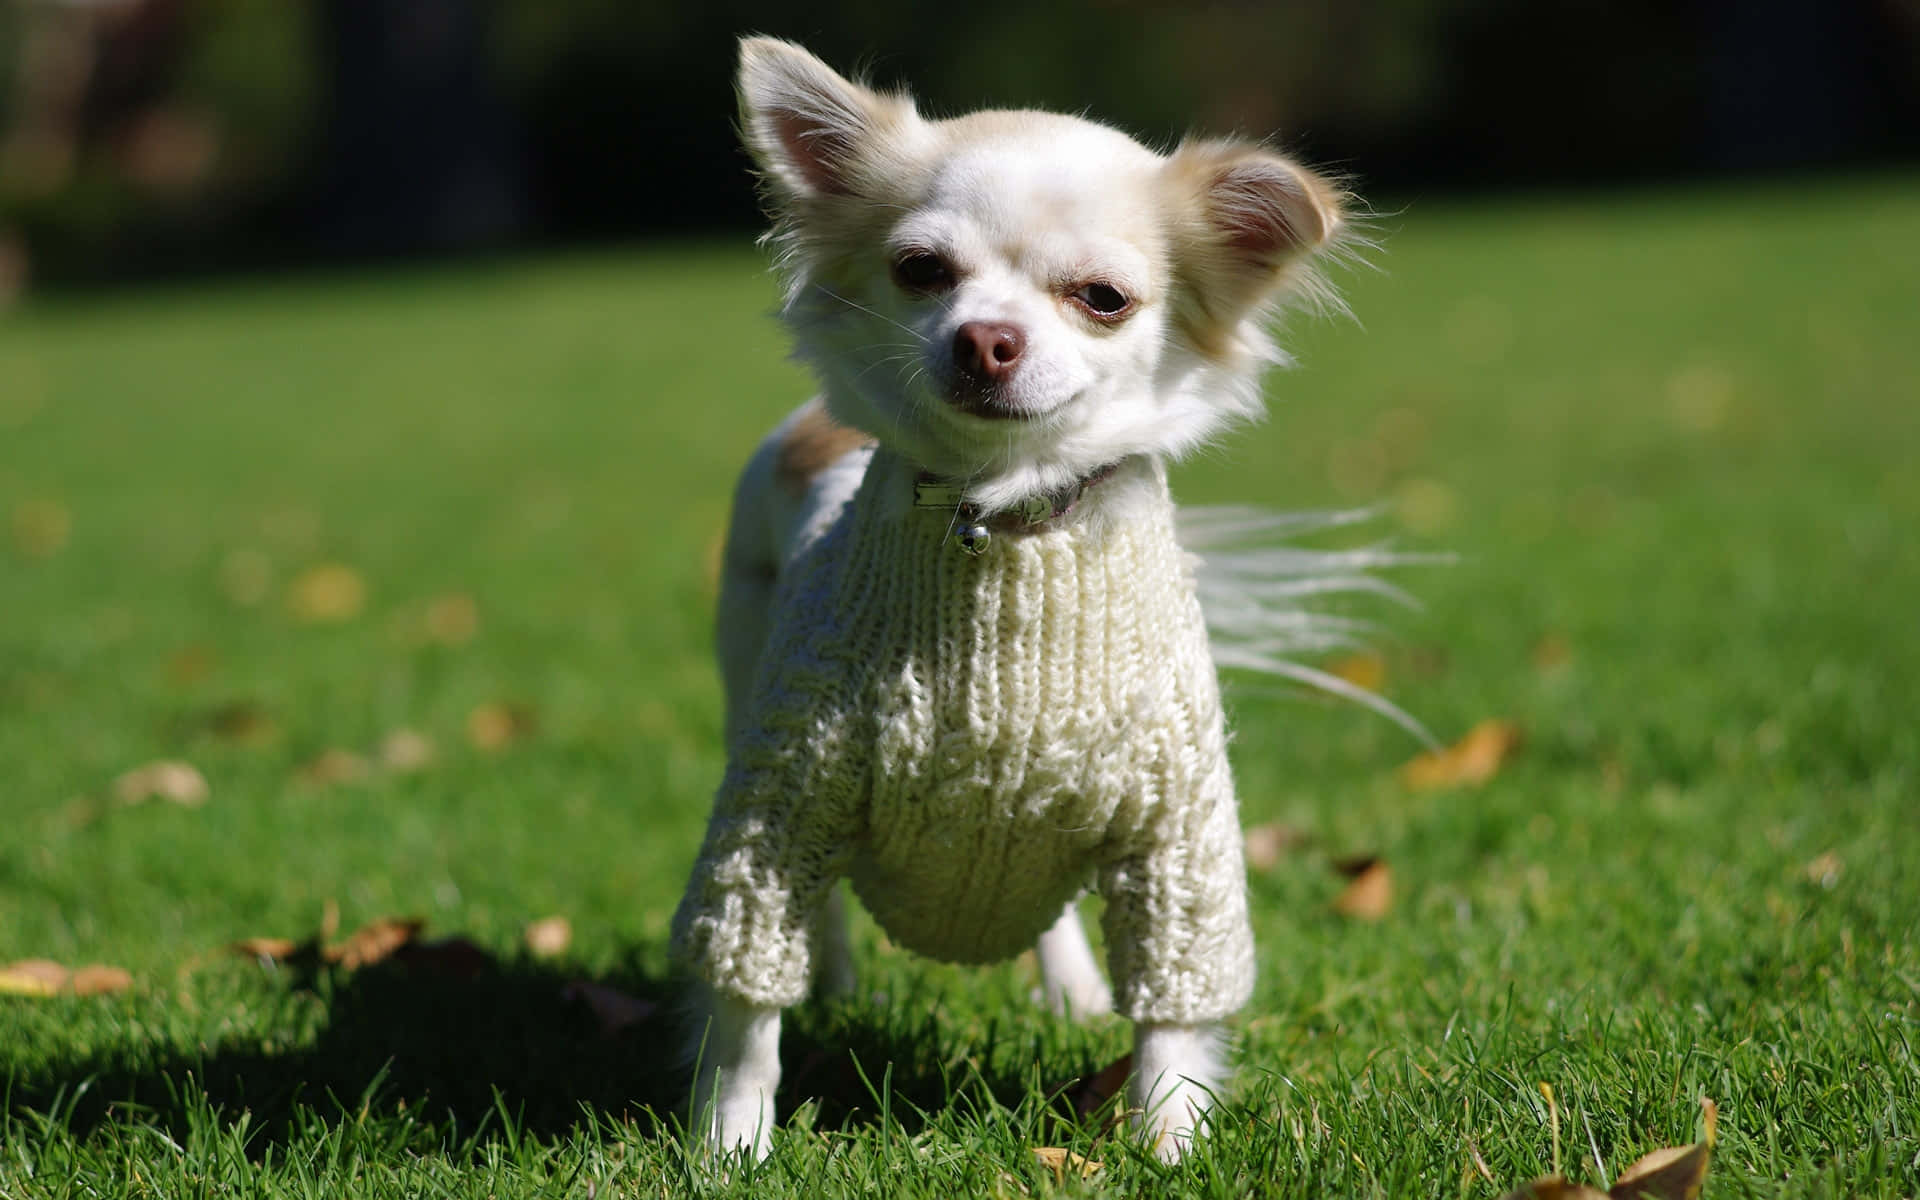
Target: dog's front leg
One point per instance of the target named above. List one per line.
(737, 1070)
(1177, 1070)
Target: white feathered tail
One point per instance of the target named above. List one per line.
(1257, 587)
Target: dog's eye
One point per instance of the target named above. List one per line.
(922, 271)
(1102, 300)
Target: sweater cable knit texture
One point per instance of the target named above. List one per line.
(973, 741)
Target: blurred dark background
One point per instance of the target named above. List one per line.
(157, 137)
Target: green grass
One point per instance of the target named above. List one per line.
(1676, 435)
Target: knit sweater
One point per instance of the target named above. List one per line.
(973, 741)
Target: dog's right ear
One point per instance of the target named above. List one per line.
(805, 123)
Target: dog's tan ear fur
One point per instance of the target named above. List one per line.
(806, 124)
(1249, 220)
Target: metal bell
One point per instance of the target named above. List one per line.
(973, 538)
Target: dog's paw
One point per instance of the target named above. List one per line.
(1178, 1116)
(741, 1123)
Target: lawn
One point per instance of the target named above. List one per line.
(259, 527)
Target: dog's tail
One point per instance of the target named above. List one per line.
(1258, 589)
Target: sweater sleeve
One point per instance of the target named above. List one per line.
(784, 822)
(1179, 946)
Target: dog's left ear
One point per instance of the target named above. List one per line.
(1261, 205)
(1248, 214)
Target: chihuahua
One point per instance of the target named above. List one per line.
(967, 667)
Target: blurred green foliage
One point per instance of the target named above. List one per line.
(604, 117)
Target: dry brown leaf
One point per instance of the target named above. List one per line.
(493, 727)
(1675, 1172)
(406, 750)
(167, 780)
(1269, 843)
(98, 979)
(44, 977)
(1672, 1173)
(335, 766)
(611, 1007)
(453, 619)
(1553, 1187)
(1366, 671)
(1472, 760)
(1060, 1161)
(326, 594)
(33, 977)
(40, 527)
(549, 936)
(374, 942)
(266, 949)
(1368, 895)
(1824, 870)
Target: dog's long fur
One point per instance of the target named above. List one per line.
(1035, 222)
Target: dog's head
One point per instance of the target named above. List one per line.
(1016, 299)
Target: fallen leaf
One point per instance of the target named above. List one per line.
(44, 977)
(335, 766)
(33, 977)
(374, 942)
(1369, 892)
(406, 750)
(1472, 760)
(453, 619)
(266, 949)
(98, 979)
(549, 936)
(612, 1008)
(1269, 843)
(1365, 671)
(1553, 1187)
(326, 594)
(1824, 870)
(1673, 1173)
(166, 780)
(493, 727)
(40, 527)
(1060, 1161)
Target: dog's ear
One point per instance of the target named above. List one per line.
(1246, 218)
(1263, 207)
(804, 122)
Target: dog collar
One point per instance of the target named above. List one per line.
(973, 527)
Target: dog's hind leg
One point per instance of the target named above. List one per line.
(1070, 977)
(833, 973)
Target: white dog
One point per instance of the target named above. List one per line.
(965, 659)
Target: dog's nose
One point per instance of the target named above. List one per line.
(987, 351)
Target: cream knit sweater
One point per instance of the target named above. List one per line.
(973, 741)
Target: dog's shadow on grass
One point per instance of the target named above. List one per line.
(513, 1044)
